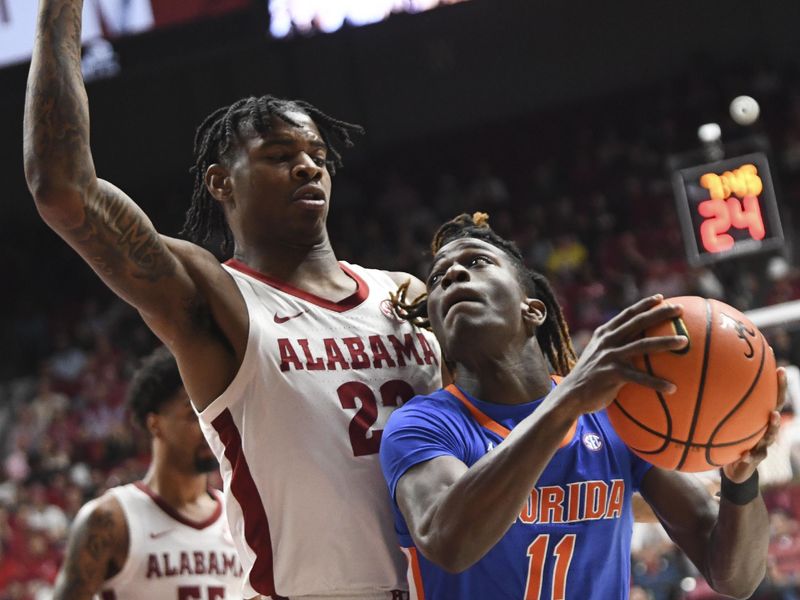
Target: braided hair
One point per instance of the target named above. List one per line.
(552, 335)
(217, 136)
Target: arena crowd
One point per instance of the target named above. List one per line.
(588, 199)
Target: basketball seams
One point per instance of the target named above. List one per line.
(708, 411)
(698, 444)
(700, 387)
(733, 411)
(667, 436)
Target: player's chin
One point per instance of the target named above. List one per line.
(465, 330)
(205, 464)
(305, 226)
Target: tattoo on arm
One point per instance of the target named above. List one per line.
(57, 111)
(89, 556)
(118, 240)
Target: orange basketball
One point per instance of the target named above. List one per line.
(727, 388)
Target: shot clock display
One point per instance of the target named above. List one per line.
(727, 208)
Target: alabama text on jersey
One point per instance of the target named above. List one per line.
(172, 557)
(298, 430)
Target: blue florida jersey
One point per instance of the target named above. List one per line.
(570, 541)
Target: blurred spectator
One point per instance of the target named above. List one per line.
(784, 552)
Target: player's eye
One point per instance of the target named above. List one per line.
(433, 279)
(480, 259)
(319, 160)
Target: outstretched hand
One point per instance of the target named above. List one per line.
(607, 362)
(741, 470)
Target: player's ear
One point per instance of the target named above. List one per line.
(218, 183)
(153, 425)
(534, 313)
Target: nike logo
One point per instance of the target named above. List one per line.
(155, 536)
(280, 320)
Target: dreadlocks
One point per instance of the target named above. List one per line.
(219, 133)
(552, 335)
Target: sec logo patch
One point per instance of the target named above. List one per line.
(592, 441)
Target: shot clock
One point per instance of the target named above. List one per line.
(727, 208)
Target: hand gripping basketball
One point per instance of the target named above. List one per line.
(741, 470)
(726, 390)
(607, 362)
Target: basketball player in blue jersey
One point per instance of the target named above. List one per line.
(511, 483)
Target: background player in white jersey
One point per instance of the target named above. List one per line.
(165, 536)
(316, 394)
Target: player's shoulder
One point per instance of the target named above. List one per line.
(187, 249)
(396, 278)
(99, 533)
(193, 255)
(104, 517)
(437, 407)
(415, 285)
(439, 400)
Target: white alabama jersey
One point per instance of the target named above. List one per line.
(171, 557)
(297, 435)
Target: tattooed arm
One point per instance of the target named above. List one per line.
(97, 550)
(111, 233)
(183, 294)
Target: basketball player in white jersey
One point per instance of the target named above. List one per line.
(293, 360)
(165, 536)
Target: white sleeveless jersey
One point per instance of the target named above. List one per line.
(171, 557)
(297, 435)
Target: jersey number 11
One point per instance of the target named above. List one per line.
(537, 554)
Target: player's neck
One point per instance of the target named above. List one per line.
(180, 490)
(513, 378)
(310, 268)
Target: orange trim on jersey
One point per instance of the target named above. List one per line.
(413, 562)
(487, 422)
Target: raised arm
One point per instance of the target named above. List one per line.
(99, 221)
(96, 550)
(180, 290)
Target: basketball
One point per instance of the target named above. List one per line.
(726, 389)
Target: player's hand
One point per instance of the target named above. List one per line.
(741, 470)
(607, 362)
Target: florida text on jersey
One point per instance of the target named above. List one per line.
(571, 539)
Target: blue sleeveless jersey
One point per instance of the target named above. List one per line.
(571, 540)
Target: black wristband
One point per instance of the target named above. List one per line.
(739, 493)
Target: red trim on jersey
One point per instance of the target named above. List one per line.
(167, 508)
(108, 595)
(243, 488)
(353, 300)
(487, 422)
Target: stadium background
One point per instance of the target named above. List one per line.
(557, 118)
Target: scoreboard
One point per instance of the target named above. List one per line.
(727, 208)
